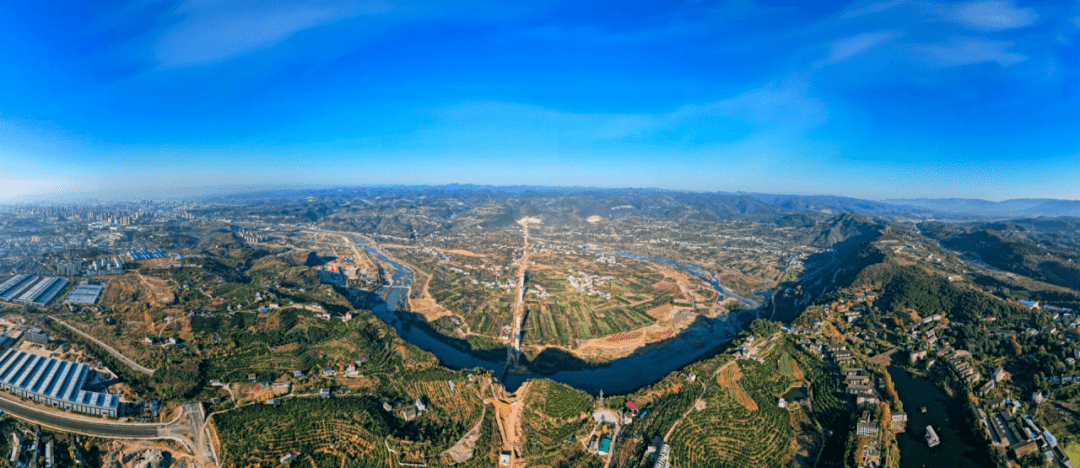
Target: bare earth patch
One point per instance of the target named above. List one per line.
(728, 379)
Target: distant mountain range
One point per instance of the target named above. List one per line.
(671, 204)
(1020, 208)
(676, 204)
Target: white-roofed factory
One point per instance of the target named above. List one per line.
(53, 382)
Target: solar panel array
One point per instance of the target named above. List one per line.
(85, 294)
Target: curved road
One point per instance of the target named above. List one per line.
(96, 428)
(189, 428)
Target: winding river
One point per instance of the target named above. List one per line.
(699, 272)
(618, 376)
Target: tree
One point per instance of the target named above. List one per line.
(764, 327)
(890, 390)
(1035, 459)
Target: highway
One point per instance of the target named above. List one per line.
(79, 425)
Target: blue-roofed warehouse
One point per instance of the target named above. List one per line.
(31, 290)
(53, 382)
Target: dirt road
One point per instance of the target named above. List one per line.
(116, 354)
(508, 415)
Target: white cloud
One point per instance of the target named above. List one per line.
(210, 32)
(960, 51)
(782, 105)
(994, 15)
(779, 109)
(871, 9)
(848, 47)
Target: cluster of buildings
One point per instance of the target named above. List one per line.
(859, 385)
(105, 266)
(17, 450)
(251, 237)
(841, 354)
(747, 350)
(1018, 433)
(957, 360)
(585, 283)
(31, 290)
(410, 412)
(53, 382)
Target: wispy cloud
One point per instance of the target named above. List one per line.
(994, 15)
(779, 105)
(778, 109)
(958, 51)
(872, 9)
(848, 47)
(204, 32)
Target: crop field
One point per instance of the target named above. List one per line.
(485, 310)
(566, 323)
(787, 368)
(741, 424)
(344, 432)
(479, 288)
(728, 380)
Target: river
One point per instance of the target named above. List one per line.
(698, 271)
(619, 376)
(959, 447)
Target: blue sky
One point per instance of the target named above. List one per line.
(875, 100)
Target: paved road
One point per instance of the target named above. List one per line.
(79, 425)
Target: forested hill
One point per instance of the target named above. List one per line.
(910, 289)
(847, 241)
(1013, 247)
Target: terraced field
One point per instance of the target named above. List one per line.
(344, 432)
(741, 425)
(553, 413)
(313, 345)
(449, 413)
(831, 407)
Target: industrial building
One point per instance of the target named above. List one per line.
(53, 382)
(31, 290)
(85, 294)
(145, 254)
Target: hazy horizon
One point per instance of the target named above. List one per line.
(197, 193)
(872, 100)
